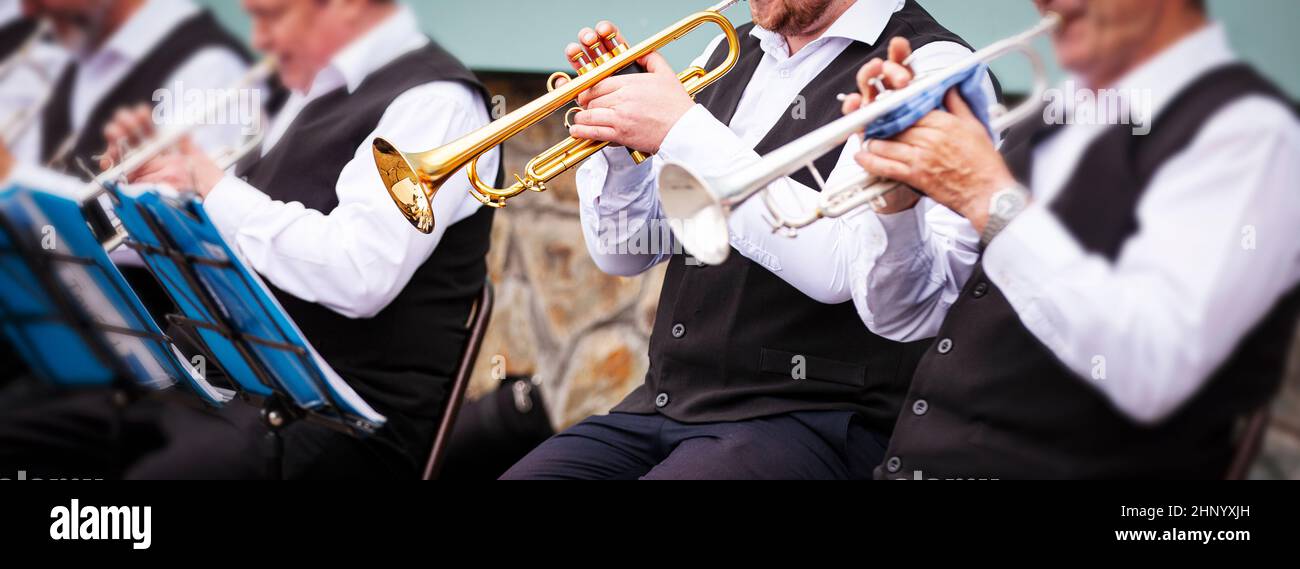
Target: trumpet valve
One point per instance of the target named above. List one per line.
(598, 49)
(583, 62)
(619, 46)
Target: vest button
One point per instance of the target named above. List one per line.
(920, 407)
(981, 289)
(679, 331)
(893, 465)
(661, 400)
(945, 345)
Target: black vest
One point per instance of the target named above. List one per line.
(14, 34)
(401, 359)
(137, 87)
(726, 337)
(999, 404)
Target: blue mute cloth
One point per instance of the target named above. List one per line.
(971, 85)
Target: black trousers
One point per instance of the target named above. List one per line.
(87, 433)
(93, 434)
(11, 367)
(235, 443)
(621, 446)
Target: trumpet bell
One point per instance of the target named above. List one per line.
(698, 216)
(399, 176)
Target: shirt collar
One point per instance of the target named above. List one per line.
(864, 21)
(397, 35)
(146, 28)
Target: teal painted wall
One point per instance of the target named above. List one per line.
(528, 35)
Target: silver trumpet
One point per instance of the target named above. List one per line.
(168, 138)
(702, 204)
(17, 123)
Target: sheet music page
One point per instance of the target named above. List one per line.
(136, 353)
(340, 387)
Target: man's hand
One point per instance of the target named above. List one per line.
(893, 75)
(185, 167)
(636, 110)
(948, 156)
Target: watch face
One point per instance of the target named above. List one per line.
(1007, 203)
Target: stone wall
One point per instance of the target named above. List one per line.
(583, 334)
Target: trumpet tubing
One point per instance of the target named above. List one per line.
(703, 203)
(172, 136)
(17, 123)
(413, 179)
(857, 191)
(169, 138)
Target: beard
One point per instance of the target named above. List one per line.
(788, 17)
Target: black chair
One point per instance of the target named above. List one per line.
(479, 317)
(1249, 443)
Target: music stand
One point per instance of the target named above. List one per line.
(234, 317)
(69, 312)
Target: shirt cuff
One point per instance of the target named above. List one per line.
(610, 183)
(1032, 250)
(619, 161)
(701, 141)
(230, 203)
(904, 235)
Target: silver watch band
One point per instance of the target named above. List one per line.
(1004, 206)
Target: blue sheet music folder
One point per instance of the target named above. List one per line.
(233, 312)
(67, 310)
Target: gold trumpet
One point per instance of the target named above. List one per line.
(413, 179)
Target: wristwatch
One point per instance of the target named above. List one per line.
(1004, 206)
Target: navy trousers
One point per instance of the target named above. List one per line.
(827, 445)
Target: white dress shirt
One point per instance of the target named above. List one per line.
(98, 73)
(359, 257)
(10, 11)
(1216, 249)
(614, 191)
(25, 87)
